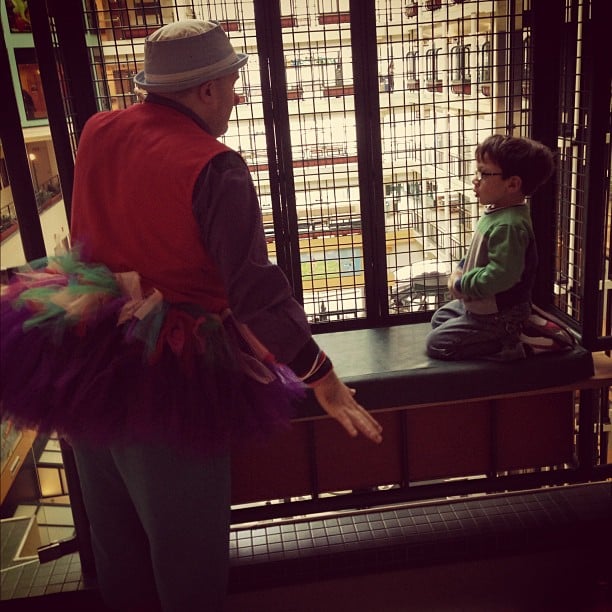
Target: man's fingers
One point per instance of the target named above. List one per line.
(368, 425)
(339, 402)
(368, 416)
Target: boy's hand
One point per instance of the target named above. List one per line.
(338, 401)
(455, 275)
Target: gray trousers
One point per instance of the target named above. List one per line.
(458, 334)
(159, 526)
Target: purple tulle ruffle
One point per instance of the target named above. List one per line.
(200, 387)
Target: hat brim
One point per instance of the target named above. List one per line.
(141, 81)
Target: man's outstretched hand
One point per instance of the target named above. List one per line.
(339, 402)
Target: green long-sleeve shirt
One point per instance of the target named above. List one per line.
(500, 265)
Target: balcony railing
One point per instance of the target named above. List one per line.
(230, 25)
(46, 195)
(8, 220)
(337, 91)
(295, 93)
(289, 21)
(461, 86)
(128, 32)
(334, 18)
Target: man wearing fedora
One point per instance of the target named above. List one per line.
(155, 192)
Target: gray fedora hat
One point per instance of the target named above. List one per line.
(186, 53)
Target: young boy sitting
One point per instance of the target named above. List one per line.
(492, 284)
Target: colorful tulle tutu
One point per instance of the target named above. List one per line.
(85, 354)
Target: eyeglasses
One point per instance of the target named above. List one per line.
(479, 175)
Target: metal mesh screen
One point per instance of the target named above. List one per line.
(572, 147)
(317, 49)
(578, 76)
(449, 74)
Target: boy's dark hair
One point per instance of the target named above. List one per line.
(528, 159)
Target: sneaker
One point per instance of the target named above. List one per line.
(543, 335)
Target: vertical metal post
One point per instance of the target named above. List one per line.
(547, 25)
(493, 444)
(67, 15)
(598, 66)
(56, 115)
(79, 514)
(70, 26)
(276, 120)
(13, 143)
(367, 119)
(586, 432)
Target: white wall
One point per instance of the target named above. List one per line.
(54, 227)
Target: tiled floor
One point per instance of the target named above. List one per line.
(54, 522)
(538, 582)
(49, 520)
(32, 579)
(22, 574)
(417, 535)
(542, 582)
(536, 552)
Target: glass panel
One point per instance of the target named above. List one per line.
(31, 85)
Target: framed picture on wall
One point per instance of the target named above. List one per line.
(18, 15)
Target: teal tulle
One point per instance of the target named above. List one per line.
(86, 353)
(63, 290)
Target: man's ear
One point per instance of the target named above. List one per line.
(205, 91)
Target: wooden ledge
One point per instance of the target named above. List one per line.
(603, 371)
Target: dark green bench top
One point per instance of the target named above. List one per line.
(388, 367)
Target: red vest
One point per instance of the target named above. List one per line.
(135, 173)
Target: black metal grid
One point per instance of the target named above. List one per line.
(584, 149)
(572, 148)
(359, 122)
(450, 74)
(318, 59)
